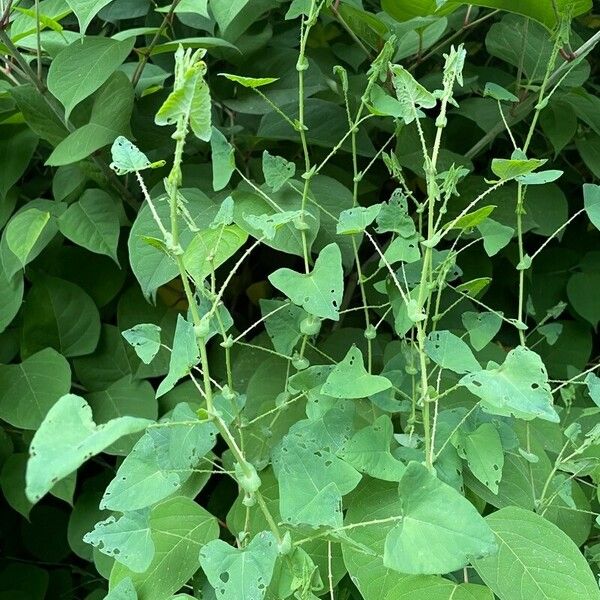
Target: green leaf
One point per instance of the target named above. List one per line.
(161, 461)
(66, 439)
(249, 82)
(485, 455)
(24, 230)
(319, 292)
(16, 151)
(83, 66)
(110, 117)
(61, 315)
(495, 236)
(179, 529)
(349, 378)
(86, 10)
(394, 216)
(519, 387)
(544, 564)
(93, 223)
(378, 503)
(579, 286)
(125, 590)
(497, 92)
(223, 159)
(127, 539)
(210, 248)
(127, 158)
(29, 390)
(473, 219)
(251, 207)
(356, 220)
(240, 574)
(544, 12)
(277, 170)
(124, 397)
(482, 327)
(283, 326)
(180, 102)
(507, 169)
(11, 296)
(450, 352)
(368, 450)
(440, 531)
(184, 355)
(201, 111)
(192, 42)
(269, 224)
(152, 267)
(411, 94)
(312, 479)
(592, 382)
(145, 340)
(402, 249)
(42, 121)
(225, 11)
(540, 178)
(591, 203)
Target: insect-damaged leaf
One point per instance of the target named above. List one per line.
(66, 439)
(319, 292)
(518, 387)
(349, 378)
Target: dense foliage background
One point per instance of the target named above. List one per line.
(406, 341)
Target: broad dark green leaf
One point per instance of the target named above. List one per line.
(83, 66)
(543, 562)
(29, 390)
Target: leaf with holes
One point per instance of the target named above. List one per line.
(145, 340)
(127, 539)
(160, 462)
(66, 439)
(240, 574)
(127, 158)
(368, 450)
(482, 327)
(484, 454)
(277, 170)
(319, 292)
(349, 379)
(519, 387)
(450, 352)
(356, 220)
(179, 529)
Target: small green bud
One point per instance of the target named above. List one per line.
(370, 332)
(300, 363)
(311, 325)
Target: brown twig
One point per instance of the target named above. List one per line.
(145, 55)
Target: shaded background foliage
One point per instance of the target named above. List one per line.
(65, 301)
